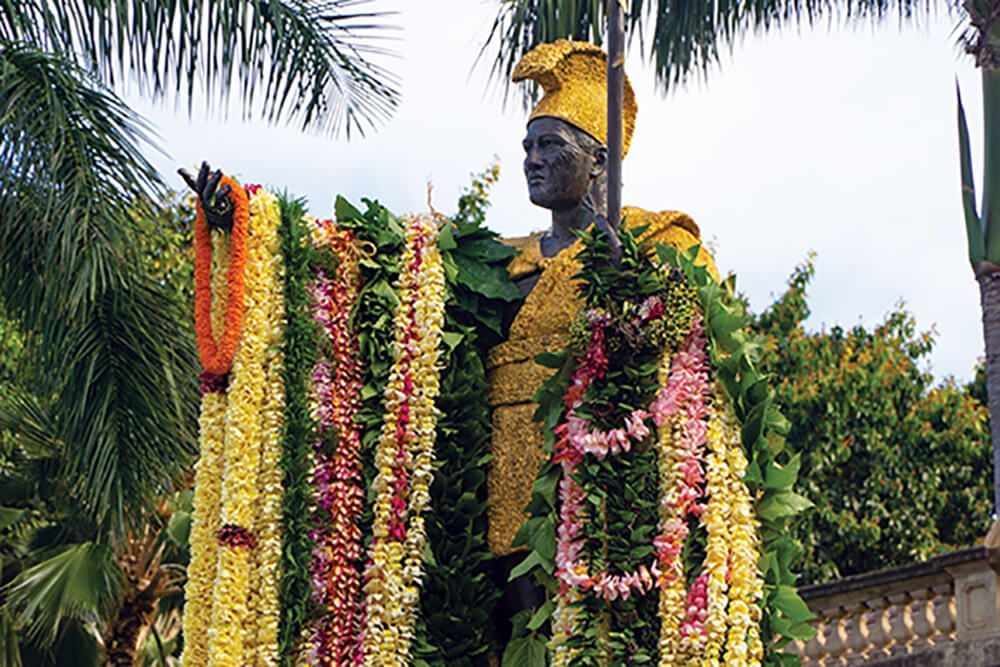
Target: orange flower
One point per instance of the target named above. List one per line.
(217, 356)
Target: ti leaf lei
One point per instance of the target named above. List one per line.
(623, 490)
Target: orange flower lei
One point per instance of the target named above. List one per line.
(217, 356)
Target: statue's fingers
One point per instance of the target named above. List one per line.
(188, 178)
(202, 177)
(224, 191)
(212, 183)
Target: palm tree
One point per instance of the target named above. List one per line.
(98, 425)
(684, 38)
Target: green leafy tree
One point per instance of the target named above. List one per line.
(895, 465)
(683, 38)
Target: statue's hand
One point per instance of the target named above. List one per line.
(611, 232)
(214, 200)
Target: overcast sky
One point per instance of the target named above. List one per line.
(840, 141)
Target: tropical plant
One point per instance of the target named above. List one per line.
(99, 420)
(685, 38)
(896, 465)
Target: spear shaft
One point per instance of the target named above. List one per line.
(616, 87)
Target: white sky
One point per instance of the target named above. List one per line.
(841, 141)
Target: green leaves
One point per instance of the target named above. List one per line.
(300, 348)
(314, 63)
(111, 347)
(974, 231)
(524, 652)
(74, 581)
(683, 38)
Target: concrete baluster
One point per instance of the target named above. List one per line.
(944, 613)
(814, 649)
(920, 619)
(855, 635)
(833, 637)
(899, 624)
(876, 626)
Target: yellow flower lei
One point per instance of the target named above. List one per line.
(718, 520)
(746, 585)
(205, 524)
(734, 613)
(393, 576)
(673, 596)
(256, 371)
(264, 604)
(563, 627)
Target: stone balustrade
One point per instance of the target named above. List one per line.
(944, 611)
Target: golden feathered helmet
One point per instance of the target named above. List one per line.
(573, 77)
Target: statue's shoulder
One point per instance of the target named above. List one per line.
(674, 224)
(529, 256)
(671, 228)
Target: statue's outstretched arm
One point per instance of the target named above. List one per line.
(214, 200)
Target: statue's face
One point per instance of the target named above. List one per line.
(559, 168)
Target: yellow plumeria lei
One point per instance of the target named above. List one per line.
(405, 451)
(205, 525)
(717, 518)
(250, 419)
(734, 583)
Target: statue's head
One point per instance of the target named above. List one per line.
(565, 145)
(562, 164)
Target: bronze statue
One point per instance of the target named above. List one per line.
(565, 160)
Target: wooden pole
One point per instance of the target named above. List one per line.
(616, 92)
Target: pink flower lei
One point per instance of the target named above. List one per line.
(683, 401)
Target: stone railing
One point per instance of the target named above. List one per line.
(944, 611)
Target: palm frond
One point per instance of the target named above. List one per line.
(71, 166)
(130, 419)
(680, 37)
(113, 348)
(315, 61)
(74, 581)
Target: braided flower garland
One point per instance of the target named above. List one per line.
(405, 451)
(207, 482)
(338, 487)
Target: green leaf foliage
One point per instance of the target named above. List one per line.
(680, 38)
(314, 63)
(897, 469)
(299, 343)
(74, 581)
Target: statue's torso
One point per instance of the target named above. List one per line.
(542, 324)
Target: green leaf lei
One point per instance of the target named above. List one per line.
(300, 349)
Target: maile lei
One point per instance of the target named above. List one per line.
(647, 523)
